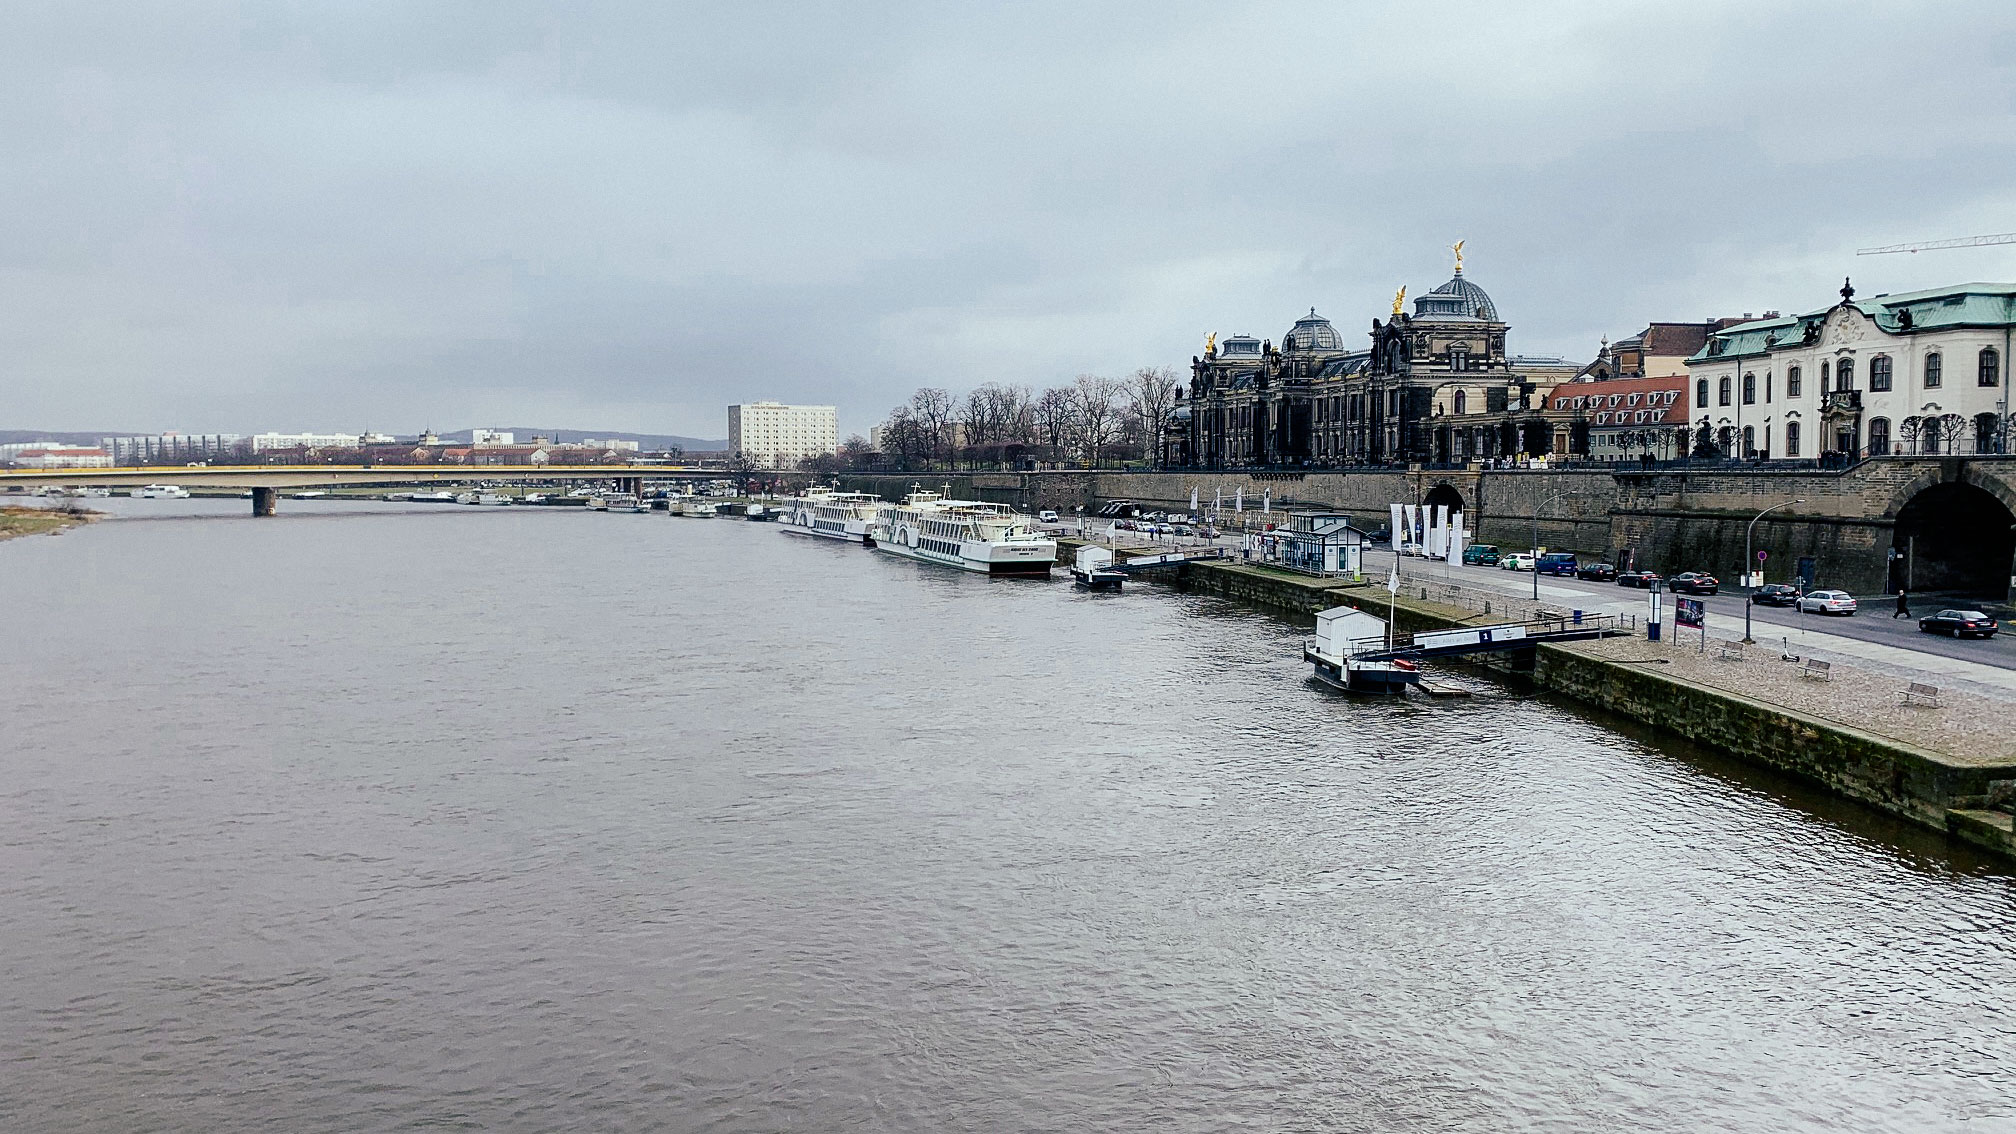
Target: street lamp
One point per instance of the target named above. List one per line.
(1747, 560)
(1535, 546)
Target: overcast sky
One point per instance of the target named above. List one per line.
(624, 216)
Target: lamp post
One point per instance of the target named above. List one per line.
(1747, 560)
(1536, 535)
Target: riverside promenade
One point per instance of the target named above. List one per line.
(1945, 761)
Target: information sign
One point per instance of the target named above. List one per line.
(1689, 612)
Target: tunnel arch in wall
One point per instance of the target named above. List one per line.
(1446, 496)
(1954, 537)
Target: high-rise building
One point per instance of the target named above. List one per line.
(778, 436)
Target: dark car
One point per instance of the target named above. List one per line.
(1597, 572)
(1381, 534)
(1556, 563)
(1959, 623)
(1776, 594)
(1640, 579)
(1693, 583)
(1481, 554)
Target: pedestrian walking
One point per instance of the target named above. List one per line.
(1903, 605)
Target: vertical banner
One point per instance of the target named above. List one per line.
(1453, 555)
(1399, 533)
(1432, 546)
(1413, 518)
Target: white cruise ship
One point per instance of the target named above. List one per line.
(835, 515)
(972, 534)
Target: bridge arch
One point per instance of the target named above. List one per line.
(1955, 536)
(1445, 495)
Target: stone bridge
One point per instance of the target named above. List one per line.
(1948, 519)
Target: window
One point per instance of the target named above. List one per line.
(1844, 374)
(1792, 433)
(1932, 366)
(1767, 387)
(1991, 367)
(1749, 392)
(1749, 440)
(1879, 436)
(1722, 391)
(1791, 384)
(1823, 377)
(1879, 373)
(1460, 401)
(1985, 434)
(1928, 435)
(1632, 400)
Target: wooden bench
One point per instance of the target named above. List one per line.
(1919, 693)
(1817, 670)
(1729, 651)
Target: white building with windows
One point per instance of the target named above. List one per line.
(777, 436)
(1922, 372)
(260, 442)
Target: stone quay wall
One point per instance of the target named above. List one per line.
(1667, 520)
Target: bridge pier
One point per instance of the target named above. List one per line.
(263, 500)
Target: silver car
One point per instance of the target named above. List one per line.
(1827, 602)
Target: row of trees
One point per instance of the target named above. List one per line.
(1094, 420)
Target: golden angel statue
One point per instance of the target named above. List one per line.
(1399, 299)
(1458, 249)
(1210, 342)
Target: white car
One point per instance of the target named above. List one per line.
(1827, 602)
(1047, 516)
(1517, 561)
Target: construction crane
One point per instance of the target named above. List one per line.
(1930, 245)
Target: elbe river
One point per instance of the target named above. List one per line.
(382, 817)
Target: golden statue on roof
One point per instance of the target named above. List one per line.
(1458, 249)
(1399, 299)
(1210, 342)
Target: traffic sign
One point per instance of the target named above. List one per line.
(1762, 556)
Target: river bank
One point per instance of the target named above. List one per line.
(1941, 766)
(20, 520)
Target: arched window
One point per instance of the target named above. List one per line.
(1879, 373)
(1791, 381)
(1823, 378)
(1991, 367)
(1749, 440)
(1722, 391)
(1879, 436)
(1767, 387)
(1725, 439)
(1460, 402)
(1844, 374)
(1987, 438)
(1749, 391)
(1701, 392)
(1791, 438)
(1928, 435)
(1932, 368)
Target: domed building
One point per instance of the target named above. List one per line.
(1248, 403)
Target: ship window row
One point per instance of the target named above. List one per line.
(940, 546)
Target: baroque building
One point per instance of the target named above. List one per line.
(1922, 372)
(1436, 385)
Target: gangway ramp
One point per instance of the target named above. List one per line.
(1168, 559)
(1434, 644)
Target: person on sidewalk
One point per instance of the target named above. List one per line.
(1903, 605)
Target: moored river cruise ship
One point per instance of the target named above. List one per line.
(969, 534)
(835, 515)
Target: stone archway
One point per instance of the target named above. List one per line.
(1955, 537)
(1443, 495)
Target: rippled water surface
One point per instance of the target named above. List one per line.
(522, 819)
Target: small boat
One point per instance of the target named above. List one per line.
(432, 498)
(622, 502)
(468, 497)
(492, 499)
(160, 492)
(1346, 654)
(597, 504)
(759, 514)
(96, 492)
(311, 494)
(1092, 569)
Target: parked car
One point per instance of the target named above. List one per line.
(1047, 515)
(1596, 572)
(1693, 583)
(1517, 561)
(1481, 555)
(1959, 623)
(1827, 602)
(1640, 579)
(1776, 594)
(1381, 534)
(1557, 563)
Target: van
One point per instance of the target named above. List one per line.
(1047, 516)
(1557, 563)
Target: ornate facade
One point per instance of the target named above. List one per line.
(1433, 386)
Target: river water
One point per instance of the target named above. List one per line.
(529, 819)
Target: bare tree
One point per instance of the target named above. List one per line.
(856, 451)
(1096, 401)
(936, 414)
(1051, 416)
(1151, 391)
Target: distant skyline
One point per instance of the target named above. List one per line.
(627, 216)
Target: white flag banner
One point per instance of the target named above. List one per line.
(1433, 547)
(1454, 555)
(1393, 580)
(1399, 533)
(1239, 499)
(1193, 499)
(1266, 501)
(1413, 519)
